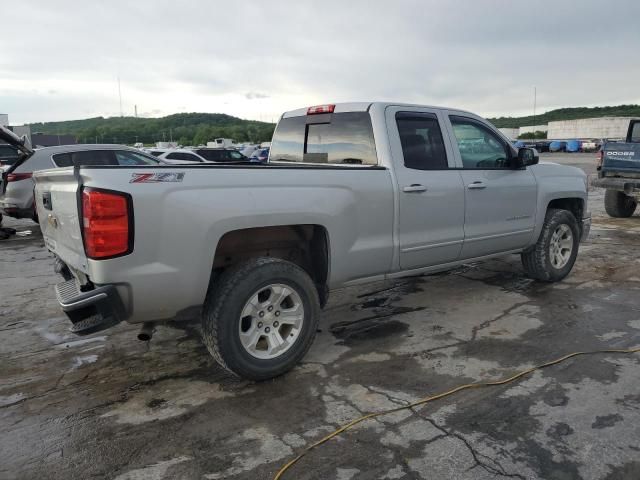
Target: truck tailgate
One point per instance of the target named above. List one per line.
(56, 196)
(621, 157)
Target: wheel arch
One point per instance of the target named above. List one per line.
(573, 203)
(306, 245)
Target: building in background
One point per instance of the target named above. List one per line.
(613, 128)
(22, 131)
(510, 133)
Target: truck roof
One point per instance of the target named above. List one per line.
(365, 106)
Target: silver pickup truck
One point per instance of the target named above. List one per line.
(352, 193)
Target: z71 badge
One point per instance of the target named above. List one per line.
(156, 177)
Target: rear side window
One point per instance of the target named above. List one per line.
(102, 157)
(183, 156)
(421, 140)
(339, 138)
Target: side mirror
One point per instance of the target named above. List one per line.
(526, 156)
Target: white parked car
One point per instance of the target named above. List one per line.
(178, 156)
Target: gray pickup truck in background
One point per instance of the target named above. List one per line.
(352, 193)
(619, 173)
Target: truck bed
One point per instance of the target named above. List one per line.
(180, 214)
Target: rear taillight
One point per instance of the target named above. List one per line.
(14, 177)
(600, 158)
(106, 223)
(320, 109)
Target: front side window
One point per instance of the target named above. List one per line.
(236, 155)
(479, 147)
(338, 138)
(421, 140)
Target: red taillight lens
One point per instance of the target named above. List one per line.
(320, 109)
(14, 177)
(106, 221)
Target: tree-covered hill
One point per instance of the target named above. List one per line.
(184, 128)
(567, 114)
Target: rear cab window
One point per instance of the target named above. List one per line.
(344, 138)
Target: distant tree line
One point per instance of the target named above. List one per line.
(538, 134)
(184, 128)
(567, 114)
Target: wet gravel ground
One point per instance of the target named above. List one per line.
(109, 406)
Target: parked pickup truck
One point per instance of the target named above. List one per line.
(352, 193)
(619, 173)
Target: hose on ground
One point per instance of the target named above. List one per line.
(438, 396)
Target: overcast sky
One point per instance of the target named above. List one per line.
(60, 60)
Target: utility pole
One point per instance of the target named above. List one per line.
(120, 95)
(136, 110)
(535, 95)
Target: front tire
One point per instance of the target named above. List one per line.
(619, 205)
(261, 317)
(552, 257)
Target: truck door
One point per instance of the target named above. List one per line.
(430, 189)
(500, 201)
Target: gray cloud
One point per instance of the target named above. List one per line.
(255, 95)
(485, 56)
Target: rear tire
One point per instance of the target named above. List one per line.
(552, 257)
(619, 205)
(261, 317)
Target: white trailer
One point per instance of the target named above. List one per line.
(220, 143)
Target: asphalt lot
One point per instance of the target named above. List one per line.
(109, 406)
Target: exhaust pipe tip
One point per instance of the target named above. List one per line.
(146, 332)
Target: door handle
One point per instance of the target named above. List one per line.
(477, 185)
(414, 188)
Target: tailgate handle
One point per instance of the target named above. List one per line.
(46, 201)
